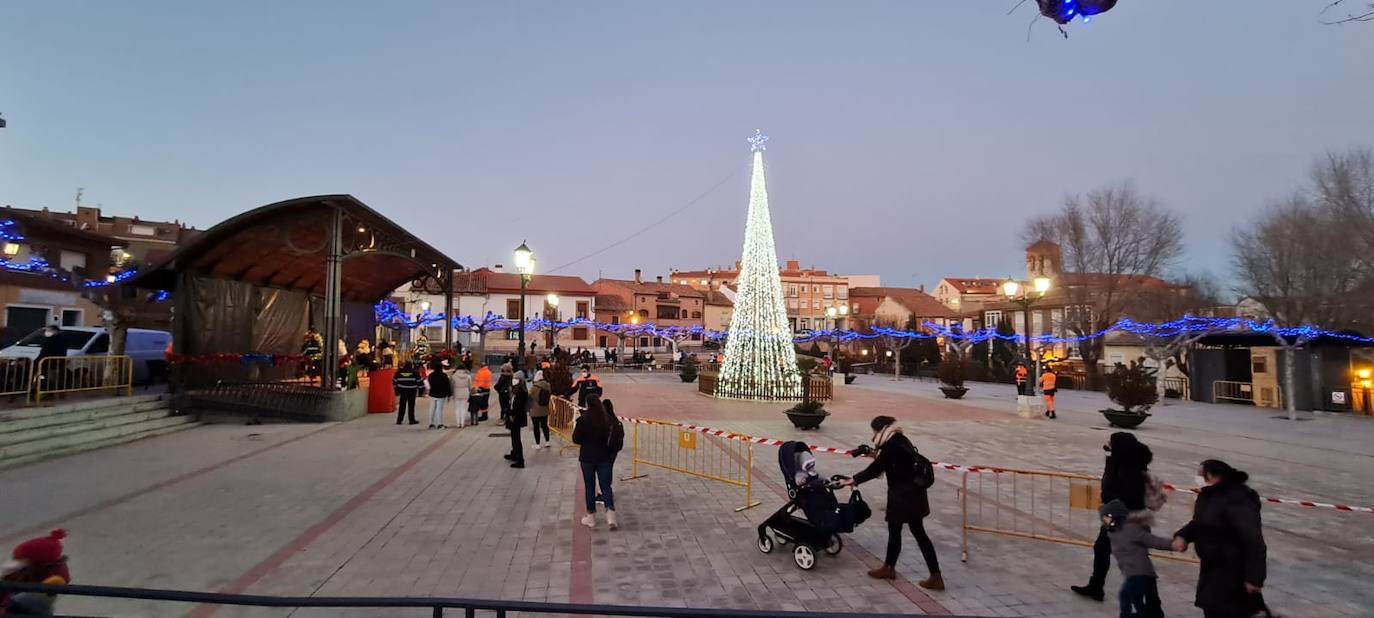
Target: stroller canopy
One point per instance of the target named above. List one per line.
(797, 464)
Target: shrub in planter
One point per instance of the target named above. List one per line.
(689, 371)
(1133, 388)
(951, 374)
(807, 414)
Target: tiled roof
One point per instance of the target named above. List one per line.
(919, 303)
(718, 299)
(609, 302)
(654, 287)
(539, 284)
(974, 285)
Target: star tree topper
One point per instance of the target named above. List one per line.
(759, 141)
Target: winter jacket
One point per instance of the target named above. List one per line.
(439, 386)
(462, 383)
(1123, 476)
(407, 382)
(906, 501)
(585, 387)
(482, 379)
(51, 346)
(537, 410)
(516, 416)
(1227, 535)
(1131, 539)
(594, 439)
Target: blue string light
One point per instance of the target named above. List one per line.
(388, 314)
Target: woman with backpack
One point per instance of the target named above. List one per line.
(601, 437)
(909, 475)
(541, 395)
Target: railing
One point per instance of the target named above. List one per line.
(61, 375)
(726, 458)
(16, 376)
(300, 401)
(1177, 388)
(706, 382)
(1223, 390)
(436, 605)
(562, 417)
(1040, 505)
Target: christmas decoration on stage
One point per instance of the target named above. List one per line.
(760, 363)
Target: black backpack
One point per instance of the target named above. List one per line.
(925, 473)
(615, 436)
(544, 396)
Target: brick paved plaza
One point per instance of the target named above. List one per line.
(369, 508)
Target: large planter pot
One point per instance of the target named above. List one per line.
(687, 378)
(849, 378)
(1124, 419)
(806, 421)
(953, 392)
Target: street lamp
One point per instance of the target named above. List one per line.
(551, 315)
(1016, 293)
(524, 264)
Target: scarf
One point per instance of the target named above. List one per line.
(885, 434)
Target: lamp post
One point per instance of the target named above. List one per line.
(1018, 294)
(551, 315)
(524, 264)
(836, 315)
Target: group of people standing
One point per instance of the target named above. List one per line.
(1225, 529)
(1049, 382)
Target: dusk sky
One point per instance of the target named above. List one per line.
(909, 138)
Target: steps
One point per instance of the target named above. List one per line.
(32, 434)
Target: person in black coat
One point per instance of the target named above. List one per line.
(440, 389)
(1123, 478)
(408, 384)
(1229, 540)
(907, 503)
(516, 418)
(593, 433)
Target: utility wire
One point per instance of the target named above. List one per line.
(650, 226)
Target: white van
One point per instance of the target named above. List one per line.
(147, 348)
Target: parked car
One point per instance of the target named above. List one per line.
(147, 348)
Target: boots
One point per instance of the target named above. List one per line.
(1090, 591)
(934, 582)
(612, 521)
(589, 520)
(883, 572)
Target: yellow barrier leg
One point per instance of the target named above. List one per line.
(749, 482)
(963, 503)
(634, 458)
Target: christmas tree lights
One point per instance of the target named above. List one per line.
(760, 363)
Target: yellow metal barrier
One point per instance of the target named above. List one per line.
(725, 459)
(16, 376)
(562, 416)
(57, 375)
(1058, 507)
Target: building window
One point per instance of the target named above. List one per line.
(583, 307)
(791, 303)
(71, 317)
(992, 318)
(434, 333)
(815, 288)
(513, 308)
(667, 313)
(696, 315)
(792, 289)
(829, 291)
(615, 319)
(142, 230)
(696, 336)
(805, 324)
(843, 292)
(643, 313)
(643, 342)
(579, 333)
(73, 261)
(601, 341)
(1259, 365)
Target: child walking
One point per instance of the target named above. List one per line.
(1132, 541)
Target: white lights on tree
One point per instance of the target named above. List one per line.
(759, 360)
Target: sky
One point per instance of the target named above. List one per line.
(909, 138)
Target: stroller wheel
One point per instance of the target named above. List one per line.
(805, 556)
(836, 544)
(765, 544)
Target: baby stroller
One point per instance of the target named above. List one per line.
(824, 517)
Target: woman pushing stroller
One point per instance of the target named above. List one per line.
(908, 476)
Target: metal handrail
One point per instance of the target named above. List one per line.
(437, 604)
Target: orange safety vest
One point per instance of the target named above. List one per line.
(1021, 375)
(1047, 381)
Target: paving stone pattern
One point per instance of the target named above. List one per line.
(370, 509)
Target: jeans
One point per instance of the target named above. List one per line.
(591, 473)
(894, 544)
(1139, 597)
(436, 410)
(405, 405)
(1102, 559)
(517, 450)
(541, 423)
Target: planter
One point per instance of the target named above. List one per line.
(806, 421)
(849, 378)
(1123, 419)
(687, 378)
(953, 392)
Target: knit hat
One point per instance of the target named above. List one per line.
(42, 550)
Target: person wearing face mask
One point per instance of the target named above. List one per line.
(516, 419)
(907, 503)
(1229, 539)
(586, 385)
(1125, 478)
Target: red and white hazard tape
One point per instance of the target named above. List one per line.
(721, 433)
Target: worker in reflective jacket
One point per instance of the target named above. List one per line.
(585, 386)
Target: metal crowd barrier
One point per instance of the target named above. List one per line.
(1058, 507)
(16, 376)
(60, 375)
(562, 417)
(727, 459)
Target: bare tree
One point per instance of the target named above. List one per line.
(1343, 182)
(1356, 14)
(1116, 241)
(894, 342)
(1191, 296)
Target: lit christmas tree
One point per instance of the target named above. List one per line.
(759, 360)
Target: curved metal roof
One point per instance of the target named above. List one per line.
(284, 245)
